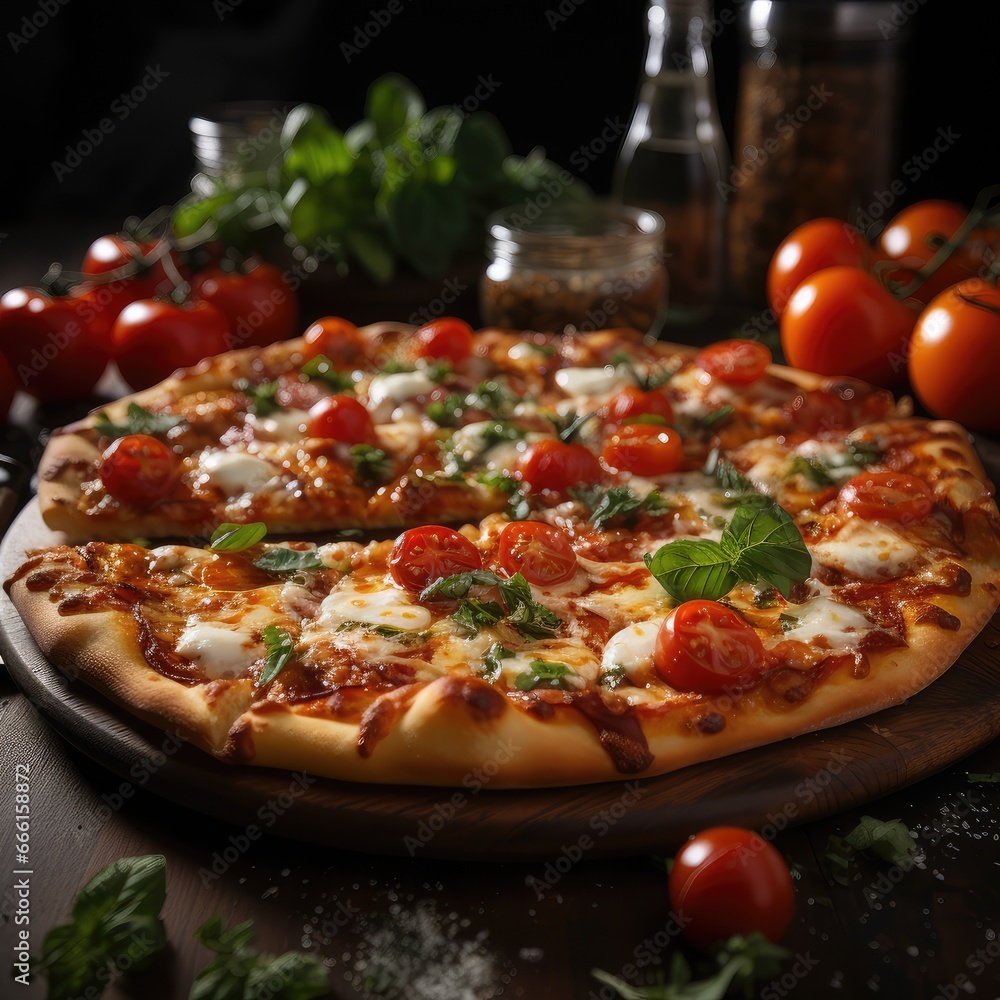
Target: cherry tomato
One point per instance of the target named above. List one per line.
(644, 450)
(807, 249)
(152, 339)
(337, 339)
(55, 355)
(8, 386)
(954, 360)
(727, 880)
(841, 321)
(886, 496)
(117, 251)
(541, 553)
(633, 402)
(138, 469)
(735, 362)
(704, 647)
(342, 418)
(446, 339)
(259, 304)
(916, 234)
(556, 465)
(422, 555)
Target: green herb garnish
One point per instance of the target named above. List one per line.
(229, 537)
(447, 412)
(408, 637)
(717, 416)
(864, 454)
(285, 560)
(499, 481)
(889, 840)
(543, 674)
(137, 421)
(812, 470)
(492, 666)
(617, 501)
(983, 779)
(280, 649)
(613, 677)
(321, 367)
(262, 401)
(115, 916)
(371, 464)
(240, 972)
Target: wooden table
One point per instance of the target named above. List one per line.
(421, 928)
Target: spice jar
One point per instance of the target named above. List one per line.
(816, 123)
(575, 267)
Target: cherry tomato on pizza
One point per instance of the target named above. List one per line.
(342, 418)
(954, 359)
(634, 402)
(644, 450)
(153, 338)
(138, 470)
(916, 234)
(886, 496)
(259, 304)
(541, 553)
(841, 321)
(336, 339)
(704, 647)
(807, 249)
(55, 354)
(735, 362)
(727, 880)
(445, 339)
(422, 555)
(551, 464)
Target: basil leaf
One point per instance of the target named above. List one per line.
(280, 650)
(493, 397)
(229, 537)
(765, 543)
(475, 614)
(321, 367)
(693, 568)
(613, 677)
(446, 412)
(284, 560)
(617, 501)
(531, 619)
(302, 977)
(116, 913)
(543, 674)
(863, 454)
(499, 481)
(372, 465)
(815, 472)
(889, 840)
(492, 666)
(405, 636)
(458, 585)
(137, 421)
(261, 396)
(723, 413)
(974, 778)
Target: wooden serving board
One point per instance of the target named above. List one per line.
(767, 788)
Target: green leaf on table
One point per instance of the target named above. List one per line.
(280, 650)
(138, 420)
(116, 914)
(229, 537)
(888, 840)
(285, 560)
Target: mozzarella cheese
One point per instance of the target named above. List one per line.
(632, 648)
(398, 387)
(593, 386)
(836, 460)
(288, 425)
(221, 651)
(235, 472)
(865, 549)
(822, 618)
(350, 601)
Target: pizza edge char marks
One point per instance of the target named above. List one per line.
(541, 644)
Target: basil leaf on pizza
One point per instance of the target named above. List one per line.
(285, 560)
(764, 543)
(280, 650)
(138, 420)
(690, 568)
(236, 537)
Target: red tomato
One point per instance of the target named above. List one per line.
(954, 360)
(259, 304)
(644, 450)
(143, 281)
(137, 469)
(541, 553)
(841, 321)
(342, 418)
(727, 880)
(445, 339)
(152, 339)
(704, 647)
(886, 496)
(807, 249)
(422, 555)
(337, 339)
(555, 465)
(916, 234)
(633, 402)
(736, 362)
(8, 386)
(54, 353)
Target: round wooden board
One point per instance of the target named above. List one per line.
(777, 785)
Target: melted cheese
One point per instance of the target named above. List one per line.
(280, 426)
(593, 382)
(350, 601)
(865, 549)
(221, 651)
(822, 618)
(235, 472)
(398, 387)
(632, 648)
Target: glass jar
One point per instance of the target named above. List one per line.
(579, 267)
(817, 122)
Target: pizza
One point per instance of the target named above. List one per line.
(395, 555)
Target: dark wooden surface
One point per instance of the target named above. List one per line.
(432, 929)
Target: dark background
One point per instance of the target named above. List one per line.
(557, 85)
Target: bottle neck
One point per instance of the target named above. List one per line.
(679, 44)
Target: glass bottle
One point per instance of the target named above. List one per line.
(674, 154)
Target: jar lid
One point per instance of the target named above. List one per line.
(827, 20)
